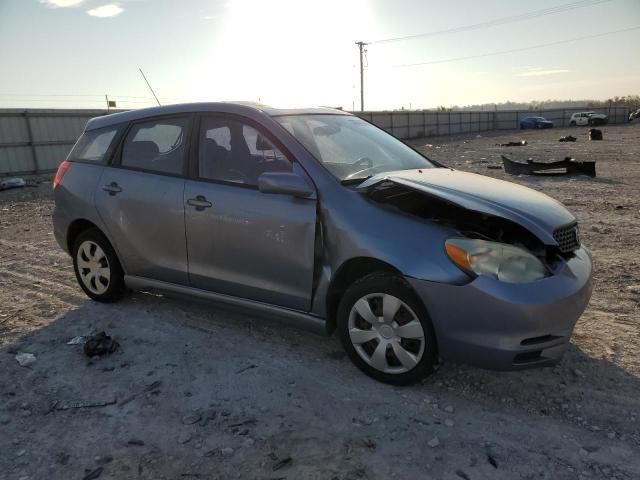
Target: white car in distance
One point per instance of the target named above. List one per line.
(588, 118)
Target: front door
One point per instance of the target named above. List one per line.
(240, 241)
(140, 200)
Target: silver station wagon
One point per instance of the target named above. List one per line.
(321, 219)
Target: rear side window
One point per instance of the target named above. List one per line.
(93, 146)
(156, 146)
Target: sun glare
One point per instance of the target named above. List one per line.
(285, 52)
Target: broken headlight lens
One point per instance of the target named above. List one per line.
(501, 261)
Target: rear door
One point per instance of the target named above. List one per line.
(140, 199)
(240, 241)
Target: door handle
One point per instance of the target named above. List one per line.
(113, 188)
(200, 202)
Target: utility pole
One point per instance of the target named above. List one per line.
(361, 48)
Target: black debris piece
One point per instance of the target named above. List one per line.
(93, 474)
(100, 344)
(281, 464)
(568, 166)
(568, 138)
(249, 367)
(521, 143)
(595, 134)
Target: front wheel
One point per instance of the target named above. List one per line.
(386, 331)
(97, 268)
(572, 123)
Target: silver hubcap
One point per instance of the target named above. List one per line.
(93, 267)
(386, 333)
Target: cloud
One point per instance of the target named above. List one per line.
(210, 17)
(104, 11)
(540, 73)
(61, 3)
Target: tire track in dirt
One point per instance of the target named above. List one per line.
(60, 276)
(38, 300)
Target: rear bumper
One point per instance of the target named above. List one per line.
(60, 227)
(501, 326)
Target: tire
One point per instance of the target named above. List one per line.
(372, 345)
(572, 123)
(97, 268)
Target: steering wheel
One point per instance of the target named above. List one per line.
(363, 162)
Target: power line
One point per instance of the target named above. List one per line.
(498, 21)
(501, 52)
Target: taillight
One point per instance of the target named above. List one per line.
(62, 169)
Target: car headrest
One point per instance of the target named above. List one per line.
(143, 151)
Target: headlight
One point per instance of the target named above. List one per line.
(496, 260)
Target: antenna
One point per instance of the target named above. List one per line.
(149, 85)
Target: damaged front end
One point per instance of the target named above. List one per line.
(482, 242)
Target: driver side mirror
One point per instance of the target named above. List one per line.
(286, 183)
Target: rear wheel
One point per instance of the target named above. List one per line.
(386, 331)
(96, 266)
(572, 123)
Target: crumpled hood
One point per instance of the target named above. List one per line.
(537, 212)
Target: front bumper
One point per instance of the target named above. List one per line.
(502, 326)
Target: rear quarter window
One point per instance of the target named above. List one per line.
(94, 146)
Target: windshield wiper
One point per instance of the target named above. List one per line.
(355, 181)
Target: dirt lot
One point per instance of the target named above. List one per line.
(198, 392)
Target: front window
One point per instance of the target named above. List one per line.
(350, 148)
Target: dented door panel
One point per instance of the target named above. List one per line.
(251, 244)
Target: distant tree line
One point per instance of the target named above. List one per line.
(630, 101)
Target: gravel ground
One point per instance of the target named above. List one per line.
(199, 392)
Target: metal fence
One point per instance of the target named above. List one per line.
(410, 124)
(37, 140)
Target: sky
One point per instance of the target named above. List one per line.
(71, 53)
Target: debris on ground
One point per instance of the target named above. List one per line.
(25, 359)
(494, 167)
(281, 464)
(100, 344)
(12, 183)
(149, 388)
(567, 138)
(77, 340)
(249, 367)
(568, 166)
(93, 474)
(73, 406)
(521, 143)
(191, 418)
(595, 134)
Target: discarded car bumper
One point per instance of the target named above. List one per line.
(502, 326)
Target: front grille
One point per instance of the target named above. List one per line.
(568, 238)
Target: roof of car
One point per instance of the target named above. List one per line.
(239, 108)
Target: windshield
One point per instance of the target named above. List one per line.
(350, 148)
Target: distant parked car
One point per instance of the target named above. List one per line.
(535, 122)
(634, 114)
(588, 118)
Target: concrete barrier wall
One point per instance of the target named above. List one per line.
(37, 140)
